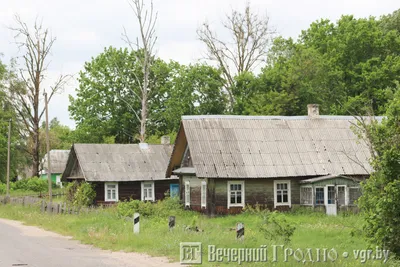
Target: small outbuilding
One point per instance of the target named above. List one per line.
(58, 160)
(122, 171)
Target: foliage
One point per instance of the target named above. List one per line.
(79, 194)
(34, 184)
(381, 192)
(276, 227)
(84, 195)
(347, 67)
(163, 208)
(3, 189)
(108, 92)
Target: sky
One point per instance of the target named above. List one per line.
(84, 28)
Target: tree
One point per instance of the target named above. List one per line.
(26, 92)
(381, 192)
(102, 108)
(251, 36)
(344, 66)
(7, 112)
(145, 44)
(60, 136)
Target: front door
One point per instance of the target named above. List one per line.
(330, 202)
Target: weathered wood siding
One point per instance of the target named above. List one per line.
(257, 191)
(133, 190)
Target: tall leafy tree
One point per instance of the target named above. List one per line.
(381, 192)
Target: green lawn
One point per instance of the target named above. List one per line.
(104, 229)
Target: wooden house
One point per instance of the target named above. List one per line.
(58, 160)
(227, 162)
(122, 171)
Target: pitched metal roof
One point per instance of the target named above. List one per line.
(274, 146)
(58, 160)
(122, 162)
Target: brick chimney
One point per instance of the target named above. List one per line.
(165, 140)
(313, 110)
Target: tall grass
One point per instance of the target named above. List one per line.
(108, 229)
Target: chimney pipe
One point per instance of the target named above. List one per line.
(313, 110)
(165, 140)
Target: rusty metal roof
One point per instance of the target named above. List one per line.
(122, 162)
(274, 146)
(58, 160)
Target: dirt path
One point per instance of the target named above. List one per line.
(22, 245)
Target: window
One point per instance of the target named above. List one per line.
(282, 193)
(306, 195)
(111, 191)
(235, 194)
(354, 194)
(341, 195)
(148, 191)
(331, 194)
(319, 196)
(203, 194)
(187, 194)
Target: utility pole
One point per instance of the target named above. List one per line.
(48, 149)
(8, 159)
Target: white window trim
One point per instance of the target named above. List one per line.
(116, 192)
(187, 194)
(312, 195)
(152, 190)
(229, 194)
(326, 193)
(315, 192)
(346, 197)
(348, 191)
(289, 203)
(203, 193)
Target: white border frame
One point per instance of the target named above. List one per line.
(241, 182)
(312, 195)
(116, 192)
(315, 192)
(152, 189)
(289, 203)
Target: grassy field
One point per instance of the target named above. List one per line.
(105, 229)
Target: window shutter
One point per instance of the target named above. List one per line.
(203, 194)
(187, 194)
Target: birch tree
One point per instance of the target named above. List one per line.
(27, 89)
(250, 36)
(144, 43)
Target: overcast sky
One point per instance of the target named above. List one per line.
(83, 28)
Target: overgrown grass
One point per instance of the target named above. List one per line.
(105, 229)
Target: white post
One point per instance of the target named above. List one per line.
(136, 218)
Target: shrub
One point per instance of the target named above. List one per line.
(36, 184)
(163, 208)
(3, 188)
(276, 227)
(84, 195)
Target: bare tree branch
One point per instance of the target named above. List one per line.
(251, 36)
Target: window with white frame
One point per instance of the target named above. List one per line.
(235, 194)
(111, 191)
(306, 195)
(148, 191)
(282, 193)
(187, 194)
(341, 195)
(203, 194)
(319, 196)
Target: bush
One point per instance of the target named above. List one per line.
(84, 195)
(276, 227)
(3, 188)
(79, 194)
(163, 208)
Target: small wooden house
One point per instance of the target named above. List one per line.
(122, 171)
(227, 162)
(58, 160)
